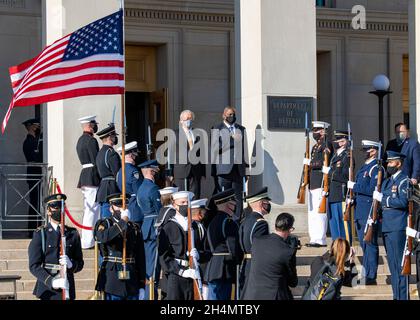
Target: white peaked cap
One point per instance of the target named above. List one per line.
(320, 124)
(201, 203)
(87, 119)
(168, 190)
(370, 143)
(182, 195)
(128, 146)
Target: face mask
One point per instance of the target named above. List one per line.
(401, 137)
(231, 119)
(117, 214)
(95, 128)
(267, 207)
(336, 145)
(183, 210)
(367, 154)
(188, 124)
(56, 215)
(37, 132)
(114, 140)
(316, 136)
(391, 170)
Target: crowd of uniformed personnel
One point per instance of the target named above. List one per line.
(144, 243)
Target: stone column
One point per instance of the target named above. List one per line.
(414, 54)
(275, 56)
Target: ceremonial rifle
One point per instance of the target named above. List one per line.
(406, 261)
(326, 187)
(149, 145)
(375, 204)
(304, 180)
(349, 196)
(63, 268)
(193, 263)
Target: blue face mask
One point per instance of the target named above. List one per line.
(187, 124)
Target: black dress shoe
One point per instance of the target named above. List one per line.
(367, 282)
(315, 245)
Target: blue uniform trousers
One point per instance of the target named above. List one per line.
(394, 243)
(219, 290)
(152, 264)
(109, 296)
(335, 217)
(370, 250)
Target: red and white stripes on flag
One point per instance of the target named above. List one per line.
(89, 61)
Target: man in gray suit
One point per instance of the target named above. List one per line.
(229, 157)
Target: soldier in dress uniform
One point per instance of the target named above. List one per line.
(338, 174)
(108, 163)
(222, 237)
(87, 149)
(166, 212)
(317, 223)
(394, 203)
(148, 199)
(112, 232)
(252, 227)
(173, 251)
(199, 215)
(133, 180)
(44, 254)
(363, 187)
(32, 149)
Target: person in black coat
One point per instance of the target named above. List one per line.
(44, 254)
(229, 156)
(111, 232)
(273, 267)
(340, 258)
(222, 238)
(32, 149)
(252, 227)
(108, 163)
(87, 149)
(188, 168)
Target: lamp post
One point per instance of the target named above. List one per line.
(381, 85)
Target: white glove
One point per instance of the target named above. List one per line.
(350, 184)
(370, 221)
(126, 213)
(65, 261)
(411, 232)
(348, 201)
(324, 194)
(325, 170)
(377, 196)
(194, 253)
(142, 293)
(190, 273)
(60, 283)
(306, 161)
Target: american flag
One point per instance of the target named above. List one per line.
(89, 61)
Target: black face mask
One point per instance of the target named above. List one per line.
(316, 136)
(391, 170)
(183, 210)
(117, 214)
(56, 215)
(267, 207)
(37, 132)
(231, 119)
(367, 155)
(336, 145)
(114, 140)
(95, 128)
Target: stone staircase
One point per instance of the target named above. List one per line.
(14, 261)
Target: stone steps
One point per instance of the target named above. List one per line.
(86, 273)
(80, 295)
(28, 285)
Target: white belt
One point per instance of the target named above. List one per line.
(183, 263)
(87, 165)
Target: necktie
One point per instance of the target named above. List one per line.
(231, 130)
(190, 141)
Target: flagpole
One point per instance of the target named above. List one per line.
(123, 112)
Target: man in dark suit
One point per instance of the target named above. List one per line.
(273, 268)
(229, 158)
(408, 147)
(87, 149)
(188, 169)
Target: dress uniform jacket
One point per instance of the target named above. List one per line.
(339, 175)
(395, 203)
(173, 248)
(200, 243)
(366, 180)
(273, 269)
(109, 232)
(317, 161)
(252, 227)
(108, 163)
(133, 180)
(411, 149)
(32, 148)
(87, 149)
(222, 237)
(41, 263)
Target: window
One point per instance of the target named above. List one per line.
(325, 3)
